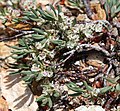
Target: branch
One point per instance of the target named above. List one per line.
(16, 36)
(80, 47)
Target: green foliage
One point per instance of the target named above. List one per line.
(90, 92)
(48, 94)
(76, 3)
(112, 7)
(38, 55)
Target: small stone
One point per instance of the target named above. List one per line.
(95, 108)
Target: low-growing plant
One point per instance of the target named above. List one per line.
(88, 91)
(43, 50)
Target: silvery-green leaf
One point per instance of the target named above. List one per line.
(110, 80)
(44, 101)
(118, 87)
(87, 86)
(105, 89)
(50, 104)
(38, 37)
(39, 31)
(74, 87)
(40, 98)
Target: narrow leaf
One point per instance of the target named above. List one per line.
(50, 104)
(87, 86)
(59, 9)
(35, 12)
(105, 89)
(40, 98)
(118, 87)
(74, 87)
(38, 37)
(16, 47)
(110, 80)
(18, 57)
(39, 31)
(58, 42)
(53, 9)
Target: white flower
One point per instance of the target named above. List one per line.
(88, 33)
(98, 28)
(77, 63)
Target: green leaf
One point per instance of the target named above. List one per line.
(106, 9)
(50, 104)
(46, 15)
(22, 42)
(110, 80)
(38, 37)
(74, 22)
(26, 13)
(44, 101)
(28, 78)
(58, 42)
(117, 10)
(115, 2)
(49, 16)
(113, 11)
(56, 94)
(59, 9)
(39, 77)
(111, 3)
(43, 41)
(74, 87)
(25, 18)
(118, 87)
(19, 57)
(39, 31)
(17, 47)
(18, 52)
(34, 12)
(41, 13)
(28, 72)
(34, 19)
(89, 88)
(112, 89)
(105, 89)
(39, 99)
(117, 78)
(53, 9)
(16, 20)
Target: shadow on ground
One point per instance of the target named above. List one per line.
(25, 98)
